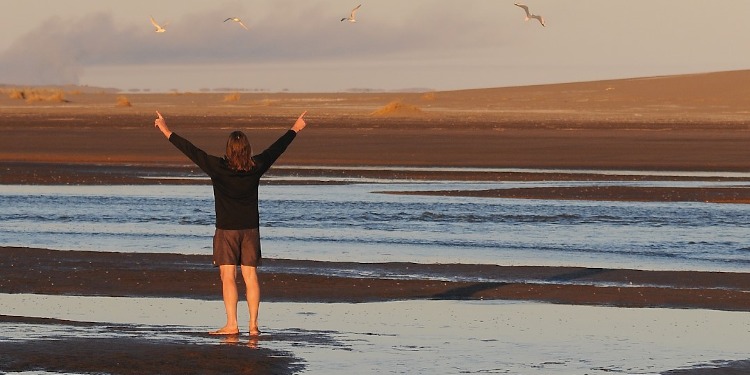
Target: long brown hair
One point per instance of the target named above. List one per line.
(239, 152)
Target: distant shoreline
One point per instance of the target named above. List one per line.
(229, 89)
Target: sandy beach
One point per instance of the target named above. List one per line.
(691, 123)
(695, 122)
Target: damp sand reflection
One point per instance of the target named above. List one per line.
(409, 336)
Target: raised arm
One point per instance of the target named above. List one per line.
(300, 123)
(204, 161)
(266, 158)
(162, 125)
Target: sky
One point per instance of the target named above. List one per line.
(302, 46)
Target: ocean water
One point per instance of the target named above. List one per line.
(356, 222)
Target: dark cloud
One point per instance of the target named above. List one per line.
(59, 49)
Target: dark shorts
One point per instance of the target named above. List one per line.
(237, 247)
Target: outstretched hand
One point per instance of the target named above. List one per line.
(161, 124)
(300, 123)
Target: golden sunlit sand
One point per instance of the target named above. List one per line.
(689, 122)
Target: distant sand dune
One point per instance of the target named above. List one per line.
(707, 95)
(397, 108)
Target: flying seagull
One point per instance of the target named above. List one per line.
(235, 19)
(159, 29)
(351, 16)
(530, 15)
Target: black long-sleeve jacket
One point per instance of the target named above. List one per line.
(235, 192)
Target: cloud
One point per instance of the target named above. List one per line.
(59, 49)
(56, 52)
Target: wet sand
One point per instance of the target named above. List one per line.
(682, 123)
(740, 194)
(55, 272)
(129, 347)
(422, 336)
(122, 349)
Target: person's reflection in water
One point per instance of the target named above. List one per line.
(252, 342)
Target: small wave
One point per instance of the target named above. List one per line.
(195, 221)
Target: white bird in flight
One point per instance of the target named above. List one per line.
(530, 15)
(235, 19)
(159, 29)
(351, 16)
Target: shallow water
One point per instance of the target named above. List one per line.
(440, 337)
(354, 222)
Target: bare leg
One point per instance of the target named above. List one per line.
(252, 286)
(229, 291)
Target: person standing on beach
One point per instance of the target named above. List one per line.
(235, 178)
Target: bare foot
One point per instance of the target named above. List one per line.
(226, 331)
(254, 331)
